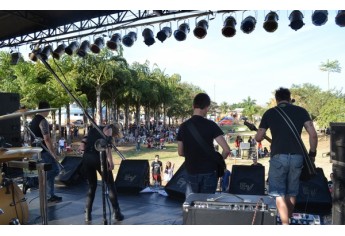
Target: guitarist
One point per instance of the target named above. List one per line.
(286, 155)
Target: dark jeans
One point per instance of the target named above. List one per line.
(201, 183)
(51, 174)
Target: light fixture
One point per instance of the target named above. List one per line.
(97, 45)
(340, 18)
(271, 22)
(72, 48)
(248, 24)
(296, 20)
(319, 17)
(200, 30)
(47, 50)
(148, 36)
(15, 58)
(229, 29)
(164, 33)
(114, 42)
(59, 51)
(34, 53)
(129, 39)
(84, 48)
(181, 33)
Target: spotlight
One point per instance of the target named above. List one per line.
(84, 48)
(248, 24)
(148, 36)
(15, 58)
(129, 39)
(47, 50)
(182, 31)
(229, 29)
(97, 45)
(72, 48)
(34, 53)
(57, 53)
(296, 20)
(200, 30)
(114, 42)
(164, 33)
(319, 17)
(271, 22)
(340, 18)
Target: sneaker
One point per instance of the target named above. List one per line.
(55, 198)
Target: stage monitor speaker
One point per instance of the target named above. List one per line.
(314, 196)
(337, 135)
(71, 174)
(338, 207)
(176, 187)
(248, 180)
(133, 176)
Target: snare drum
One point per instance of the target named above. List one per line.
(13, 205)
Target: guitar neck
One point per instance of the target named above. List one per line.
(268, 138)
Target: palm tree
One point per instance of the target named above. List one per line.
(330, 66)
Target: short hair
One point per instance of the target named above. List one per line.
(283, 94)
(43, 105)
(201, 101)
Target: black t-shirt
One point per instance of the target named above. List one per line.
(196, 160)
(283, 141)
(156, 167)
(35, 128)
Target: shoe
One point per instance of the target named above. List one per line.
(55, 198)
(117, 215)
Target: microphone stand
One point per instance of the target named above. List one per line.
(80, 105)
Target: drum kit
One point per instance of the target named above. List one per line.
(13, 206)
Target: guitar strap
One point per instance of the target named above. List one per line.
(309, 164)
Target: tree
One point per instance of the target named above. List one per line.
(330, 67)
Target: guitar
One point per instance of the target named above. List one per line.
(253, 128)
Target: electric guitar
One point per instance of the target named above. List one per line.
(253, 128)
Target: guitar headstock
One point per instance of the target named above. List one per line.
(250, 126)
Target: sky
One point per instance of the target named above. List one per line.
(247, 65)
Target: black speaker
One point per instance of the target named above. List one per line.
(338, 206)
(337, 136)
(314, 196)
(71, 173)
(176, 187)
(249, 180)
(133, 176)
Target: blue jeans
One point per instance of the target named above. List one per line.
(51, 174)
(284, 173)
(201, 183)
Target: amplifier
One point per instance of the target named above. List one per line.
(229, 209)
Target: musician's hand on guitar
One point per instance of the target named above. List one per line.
(312, 155)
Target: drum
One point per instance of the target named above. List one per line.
(13, 205)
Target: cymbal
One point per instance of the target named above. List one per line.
(23, 112)
(10, 154)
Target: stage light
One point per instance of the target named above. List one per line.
(181, 33)
(271, 22)
(59, 51)
(164, 33)
(319, 17)
(248, 24)
(72, 48)
(114, 42)
(34, 53)
(97, 45)
(229, 29)
(84, 48)
(200, 30)
(129, 39)
(15, 56)
(148, 36)
(296, 20)
(47, 50)
(340, 18)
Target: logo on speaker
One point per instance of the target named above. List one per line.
(129, 177)
(181, 182)
(246, 187)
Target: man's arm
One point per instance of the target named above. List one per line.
(180, 148)
(44, 126)
(313, 141)
(260, 134)
(225, 147)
